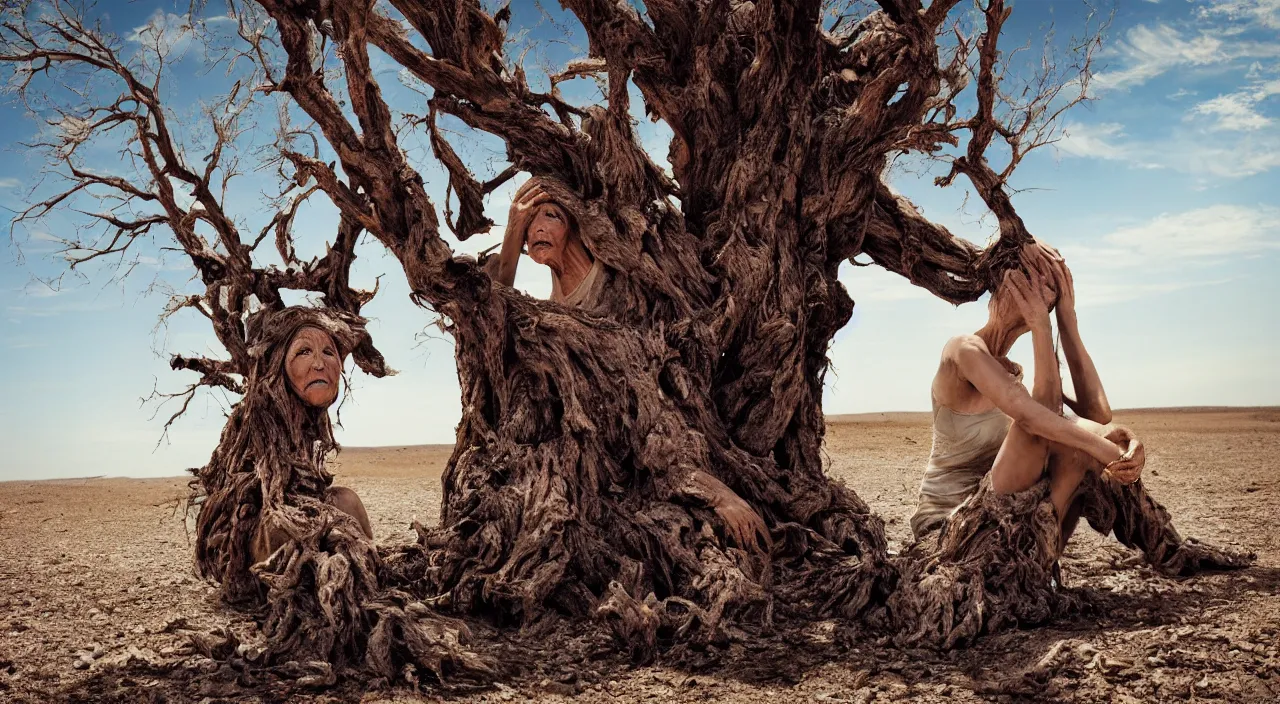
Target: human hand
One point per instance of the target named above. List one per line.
(1066, 288)
(1028, 297)
(524, 206)
(1045, 250)
(743, 525)
(1128, 467)
(1041, 264)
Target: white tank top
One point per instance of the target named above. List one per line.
(964, 449)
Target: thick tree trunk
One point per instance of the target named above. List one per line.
(570, 488)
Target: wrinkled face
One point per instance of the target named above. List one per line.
(313, 367)
(547, 234)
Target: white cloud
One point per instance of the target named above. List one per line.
(1165, 254)
(1239, 111)
(169, 32)
(1234, 111)
(9, 183)
(1147, 52)
(1092, 141)
(1247, 157)
(1263, 12)
(39, 289)
(1228, 153)
(1217, 231)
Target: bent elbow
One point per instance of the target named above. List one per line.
(1101, 411)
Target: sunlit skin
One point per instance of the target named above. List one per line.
(314, 367)
(549, 238)
(976, 376)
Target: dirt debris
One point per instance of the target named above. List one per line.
(83, 616)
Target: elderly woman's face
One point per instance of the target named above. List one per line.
(313, 367)
(547, 234)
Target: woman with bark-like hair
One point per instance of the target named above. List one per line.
(275, 534)
(543, 228)
(1009, 476)
(283, 422)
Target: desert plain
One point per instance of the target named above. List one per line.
(98, 596)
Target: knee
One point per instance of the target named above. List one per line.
(348, 501)
(343, 498)
(1074, 462)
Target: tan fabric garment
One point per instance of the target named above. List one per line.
(964, 449)
(587, 292)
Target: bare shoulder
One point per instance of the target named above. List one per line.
(962, 345)
(950, 388)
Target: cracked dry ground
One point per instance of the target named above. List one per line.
(97, 596)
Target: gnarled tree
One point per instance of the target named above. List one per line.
(568, 490)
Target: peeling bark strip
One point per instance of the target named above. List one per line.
(568, 490)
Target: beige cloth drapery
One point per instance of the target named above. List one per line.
(586, 293)
(964, 449)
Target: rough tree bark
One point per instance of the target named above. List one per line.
(567, 493)
(321, 597)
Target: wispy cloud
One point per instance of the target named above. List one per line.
(1263, 12)
(1217, 231)
(39, 289)
(1147, 52)
(1239, 111)
(9, 183)
(1177, 251)
(1233, 111)
(1173, 242)
(169, 32)
(1098, 141)
(1225, 150)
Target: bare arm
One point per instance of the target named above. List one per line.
(1038, 416)
(1091, 400)
(1023, 454)
(991, 380)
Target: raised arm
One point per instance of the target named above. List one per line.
(1090, 399)
(980, 368)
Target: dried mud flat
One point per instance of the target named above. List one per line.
(97, 595)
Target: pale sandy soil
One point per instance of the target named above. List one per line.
(97, 592)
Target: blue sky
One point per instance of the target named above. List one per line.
(1164, 195)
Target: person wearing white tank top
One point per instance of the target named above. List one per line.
(985, 421)
(1008, 475)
